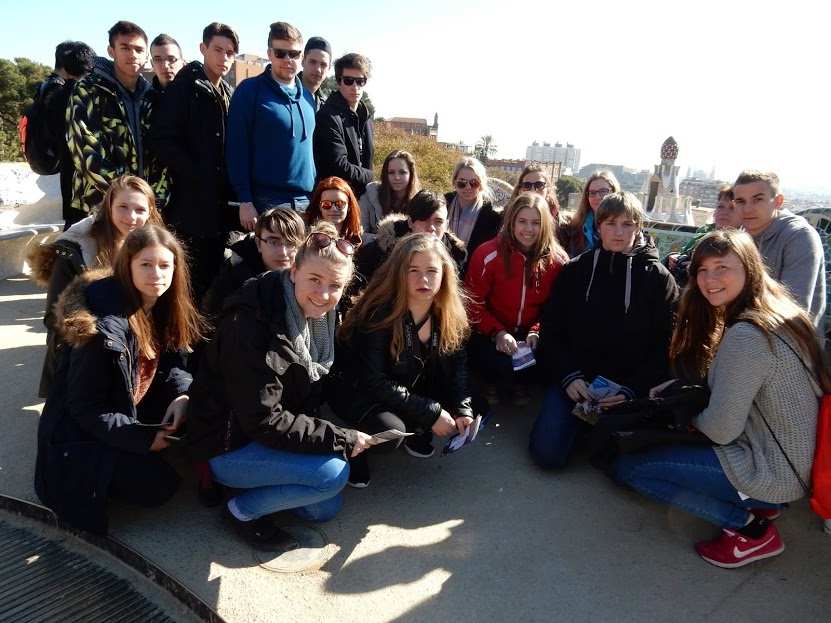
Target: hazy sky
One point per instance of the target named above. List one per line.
(737, 83)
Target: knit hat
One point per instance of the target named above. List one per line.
(318, 43)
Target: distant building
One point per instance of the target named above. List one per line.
(704, 192)
(568, 154)
(245, 66)
(414, 126)
(513, 168)
(461, 147)
(630, 179)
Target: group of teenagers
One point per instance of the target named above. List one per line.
(366, 307)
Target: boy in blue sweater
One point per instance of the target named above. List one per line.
(271, 123)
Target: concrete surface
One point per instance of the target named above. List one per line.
(478, 536)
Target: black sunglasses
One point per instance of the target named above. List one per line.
(538, 185)
(349, 81)
(281, 53)
(321, 241)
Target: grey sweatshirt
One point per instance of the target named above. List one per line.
(749, 375)
(792, 251)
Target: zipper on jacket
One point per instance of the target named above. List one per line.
(522, 297)
(128, 376)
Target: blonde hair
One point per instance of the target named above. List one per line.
(330, 253)
(546, 250)
(388, 287)
(478, 170)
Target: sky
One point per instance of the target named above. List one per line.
(739, 84)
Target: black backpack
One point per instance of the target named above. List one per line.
(41, 149)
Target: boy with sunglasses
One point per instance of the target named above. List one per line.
(343, 145)
(271, 122)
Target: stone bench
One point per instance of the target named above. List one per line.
(15, 243)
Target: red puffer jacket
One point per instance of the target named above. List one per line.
(502, 301)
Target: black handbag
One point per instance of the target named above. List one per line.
(637, 425)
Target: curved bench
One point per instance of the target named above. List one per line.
(14, 245)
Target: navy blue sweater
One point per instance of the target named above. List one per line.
(269, 142)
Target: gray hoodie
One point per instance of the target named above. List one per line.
(793, 253)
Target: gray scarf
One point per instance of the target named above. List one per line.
(313, 339)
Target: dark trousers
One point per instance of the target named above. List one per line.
(143, 479)
(205, 257)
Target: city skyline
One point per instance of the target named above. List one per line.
(729, 82)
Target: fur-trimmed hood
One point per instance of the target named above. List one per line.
(393, 227)
(77, 240)
(84, 302)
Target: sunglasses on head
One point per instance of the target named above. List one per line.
(281, 53)
(340, 204)
(349, 81)
(538, 185)
(321, 241)
(474, 183)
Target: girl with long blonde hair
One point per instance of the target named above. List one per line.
(401, 358)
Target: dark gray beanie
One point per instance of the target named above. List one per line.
(318, 43)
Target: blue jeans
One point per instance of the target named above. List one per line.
(554, 431)
(266, 199)
(691, 478)
(276, 480)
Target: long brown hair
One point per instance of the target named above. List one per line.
(550, 189)
(173, 323)
(351, 228)
(103, 231)
(546, 250)
(388, 286)
(584, 208)
(763, 302)
(385, 195)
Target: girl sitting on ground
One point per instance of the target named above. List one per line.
(90, 243)
(256, 398)
(391, 195)
(509, 280)
(739, 331)
(333, 201)
(401, 360)
(122, 371)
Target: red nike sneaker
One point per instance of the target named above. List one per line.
(731, 549)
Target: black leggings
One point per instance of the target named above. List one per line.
(143, 479)
(386, 420)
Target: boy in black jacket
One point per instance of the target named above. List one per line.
(188, 136)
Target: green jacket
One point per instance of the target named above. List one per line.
(106, 134)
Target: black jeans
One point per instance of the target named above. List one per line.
(205, 257)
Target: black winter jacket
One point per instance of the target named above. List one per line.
(610, 314)
(55, 266)
(343, 143)
(366, 380)
(391, 229)
(188, 137)
(488, 224)
(90, 416)
(245, 262)
(251, 386)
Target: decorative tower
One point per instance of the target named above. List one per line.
(663, 200)
(434, 129)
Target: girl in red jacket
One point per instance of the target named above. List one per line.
(509, 279)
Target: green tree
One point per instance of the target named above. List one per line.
(18, 84)
(566, 185)
(434, 162)
(485, 148)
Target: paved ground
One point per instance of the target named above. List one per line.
(478, 536)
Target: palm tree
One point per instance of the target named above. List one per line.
(485, 148)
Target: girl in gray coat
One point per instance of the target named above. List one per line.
(757, 349)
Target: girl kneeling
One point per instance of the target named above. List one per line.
(401, 358)
(758, 352)
(256, 396)
(123, 369)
